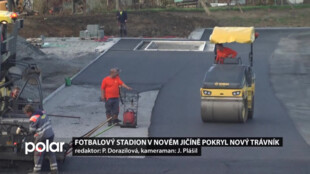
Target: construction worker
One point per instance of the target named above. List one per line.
(110, 94)
(15, 92)
(224, 52)
(41, 126)
(121, 16)
(9, 102)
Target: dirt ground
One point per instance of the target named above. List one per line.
(154, 24)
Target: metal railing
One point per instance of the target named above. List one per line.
(8, 43)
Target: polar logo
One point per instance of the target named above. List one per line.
(41, 146)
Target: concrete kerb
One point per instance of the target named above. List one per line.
(63, 85)
(196, 34)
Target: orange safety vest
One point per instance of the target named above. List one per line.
(34, 118)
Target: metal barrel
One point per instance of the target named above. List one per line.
(223, 110)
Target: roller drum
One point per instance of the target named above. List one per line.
(223, 110)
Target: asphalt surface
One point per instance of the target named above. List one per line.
(179, 76)
(176, 113)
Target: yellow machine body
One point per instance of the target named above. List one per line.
(227, 94)
(228, 90)
(5, 17)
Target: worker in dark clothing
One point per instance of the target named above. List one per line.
(110, 94)
(14, 94)
(224, 52)
(121, 16)
(41, 126)
(13, 102)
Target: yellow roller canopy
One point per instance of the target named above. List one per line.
(232, 34)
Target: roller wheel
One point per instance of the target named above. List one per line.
(203, 114)
(244, 112)
(251, 112)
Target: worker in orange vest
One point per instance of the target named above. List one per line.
(110, 95)
(224, 52)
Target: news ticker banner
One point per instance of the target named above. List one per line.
(155, 146)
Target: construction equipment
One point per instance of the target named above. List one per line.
(227, 94)
(130, 107)
(8, 17)
(24, 7)
(25, 76)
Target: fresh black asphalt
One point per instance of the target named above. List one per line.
(178, 76)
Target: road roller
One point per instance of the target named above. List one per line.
(227, 92)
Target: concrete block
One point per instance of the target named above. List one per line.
(93, 30)
(101, 34)
(84, 34)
